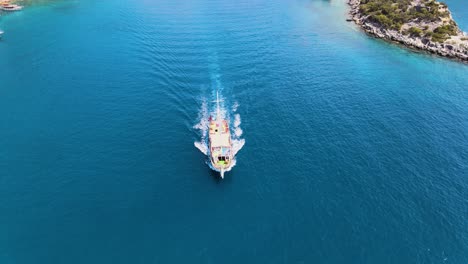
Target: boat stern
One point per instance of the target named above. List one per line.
(221, 164)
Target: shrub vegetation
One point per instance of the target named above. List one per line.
(392, 14)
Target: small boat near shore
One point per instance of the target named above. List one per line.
(10, 7)
(1, 33)
(220, 146)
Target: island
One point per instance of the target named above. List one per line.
(420, 24)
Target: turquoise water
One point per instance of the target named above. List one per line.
(356, 151)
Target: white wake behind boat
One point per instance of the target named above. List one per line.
(220, 142)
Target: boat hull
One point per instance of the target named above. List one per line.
(10, 8)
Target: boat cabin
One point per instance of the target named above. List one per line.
(220, 143)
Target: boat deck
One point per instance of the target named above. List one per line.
(219, 134)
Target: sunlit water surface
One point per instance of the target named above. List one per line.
(355, 150)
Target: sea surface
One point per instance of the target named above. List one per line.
(350, 149)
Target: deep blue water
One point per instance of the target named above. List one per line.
(356, 151)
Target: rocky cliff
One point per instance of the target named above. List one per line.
(421, 24)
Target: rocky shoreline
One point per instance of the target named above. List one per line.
(455, 47)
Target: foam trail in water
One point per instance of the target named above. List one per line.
(237, 141)
(237, 130)
(202, 147)
(202, 126)
(234, 107)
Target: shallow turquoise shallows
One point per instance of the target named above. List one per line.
(354, 150)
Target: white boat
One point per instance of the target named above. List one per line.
(1, 33)
(10, 7)
(220, 141)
